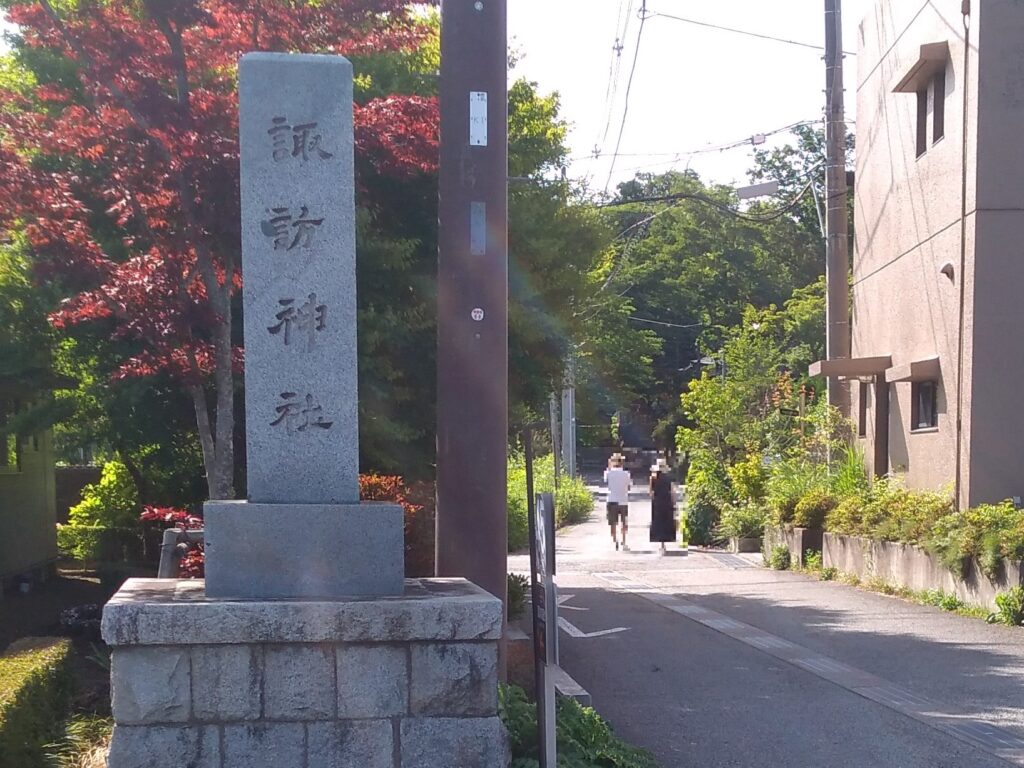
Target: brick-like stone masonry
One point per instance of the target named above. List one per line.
(398, 703)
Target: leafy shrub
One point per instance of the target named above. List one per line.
(113, 502)
(811, 510)
(989, 532)
(749, 479)
(35, 691)
(846, 517)
(779, 559)
(92, 543)
(703, 514)
(742, 522)
(828, 574)
(813, 561)
(518, 589)
(849, 473)
(790, 481)
(573, 502)
(893, 513)
(1010, 608)
(584, 739)
(940, 599)
(518, 524)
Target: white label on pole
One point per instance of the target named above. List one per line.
(478, 118)
(477, 314)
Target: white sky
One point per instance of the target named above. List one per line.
(693, 88)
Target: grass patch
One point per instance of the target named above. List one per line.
(35, 694)
(585, 740)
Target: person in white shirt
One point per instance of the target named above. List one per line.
(619, 482)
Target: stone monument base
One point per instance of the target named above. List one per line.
(400, 682)
(260, 551)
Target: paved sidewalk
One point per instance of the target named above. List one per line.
(725, 663)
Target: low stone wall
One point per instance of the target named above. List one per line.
(798, 540)
(403, 682)
(908, 566)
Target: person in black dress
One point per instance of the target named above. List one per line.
(663, 504)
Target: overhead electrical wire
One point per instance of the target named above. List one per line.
(748, 33)
(629, 88)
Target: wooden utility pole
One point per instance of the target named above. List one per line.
(472, 295)
(837, 258)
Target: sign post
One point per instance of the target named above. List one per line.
(541, 514)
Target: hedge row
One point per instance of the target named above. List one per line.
(35, 691)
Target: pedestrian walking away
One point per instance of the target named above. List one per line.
(663, 504)
(619, 482)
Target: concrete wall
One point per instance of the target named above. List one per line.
(907, 566)
(908, 225)
(28, 533)
(996, 462)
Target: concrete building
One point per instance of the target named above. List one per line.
(28, 531)
(937, 364)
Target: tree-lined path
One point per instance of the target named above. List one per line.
(726, 663)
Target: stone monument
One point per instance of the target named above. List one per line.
(305, 647)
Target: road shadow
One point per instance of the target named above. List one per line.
(696, 697)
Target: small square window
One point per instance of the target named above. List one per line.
(862, 404)
(924, 411)
(922, 121)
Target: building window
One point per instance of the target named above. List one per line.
(939, 106)
(862, 405)
(922, 121)
(924, 411)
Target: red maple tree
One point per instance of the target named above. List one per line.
(124, 178)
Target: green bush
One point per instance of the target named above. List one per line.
(749, 479)
(35, 691)
(584, 739)
(113, 502)
(93, 543)
(813, 561)
(846, 518)
(573, 502)
(989, 532)
(811, 510)
(518, 589)
(97, 544)
(790, 481)
(849, 473)
(779, 559)
(893, 513)
(1010, 607)
(518, 524)
(703, 514)
(742, 522)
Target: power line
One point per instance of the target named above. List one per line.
(679, 196)
(629, 88)
(744, 32)
(667, 325)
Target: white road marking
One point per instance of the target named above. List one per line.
(574, 631)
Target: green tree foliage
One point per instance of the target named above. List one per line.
(691, 264)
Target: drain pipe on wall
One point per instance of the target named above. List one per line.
(965, 10)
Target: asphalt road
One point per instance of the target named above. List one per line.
(720, 662)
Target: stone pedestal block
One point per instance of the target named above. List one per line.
(398, 682)
(264, 551)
